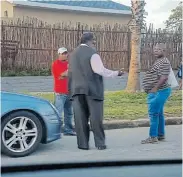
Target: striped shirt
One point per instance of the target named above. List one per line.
(160, 68)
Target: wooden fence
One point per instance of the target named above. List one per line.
(173, 43)
(36, 44)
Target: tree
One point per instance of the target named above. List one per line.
(133, 83)
(174, 21)
(135, 26)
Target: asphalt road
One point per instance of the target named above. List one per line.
(45, 83)
(123, 144)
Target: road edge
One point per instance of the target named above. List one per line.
(120, 124)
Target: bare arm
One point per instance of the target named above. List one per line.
(161, 81)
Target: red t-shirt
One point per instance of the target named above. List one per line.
(60, 85)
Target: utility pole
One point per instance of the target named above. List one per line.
(137, 23)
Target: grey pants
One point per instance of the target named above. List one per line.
(86, 108)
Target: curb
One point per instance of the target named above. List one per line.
(120, 124)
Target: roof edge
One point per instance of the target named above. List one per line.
(72, 8)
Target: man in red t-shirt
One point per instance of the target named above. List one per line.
(62, 101)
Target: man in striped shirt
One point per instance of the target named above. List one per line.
(155, 84)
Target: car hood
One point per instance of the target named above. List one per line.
(21, 97)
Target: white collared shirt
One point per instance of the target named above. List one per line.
(98, 67)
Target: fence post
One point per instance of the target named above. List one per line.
(78, 32)
(82, 29)
(3, 54)
(129, 49)
(52, 48)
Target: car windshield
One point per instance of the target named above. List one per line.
(90, 81)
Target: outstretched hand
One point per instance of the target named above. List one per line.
(121, 72)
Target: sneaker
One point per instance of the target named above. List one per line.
(149, 140)
(161, 138)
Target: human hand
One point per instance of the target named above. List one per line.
(121, 72)
(153, 90)
(64, 75)
(61, 77)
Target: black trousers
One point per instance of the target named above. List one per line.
(86, 109)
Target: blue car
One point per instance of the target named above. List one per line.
(27, 121)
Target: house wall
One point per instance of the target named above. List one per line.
(6, 6)
(56, 16)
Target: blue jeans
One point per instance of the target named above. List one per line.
(64, 105)
(156, 102)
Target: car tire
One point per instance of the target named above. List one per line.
(38, 126)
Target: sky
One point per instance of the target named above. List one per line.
(158, 10)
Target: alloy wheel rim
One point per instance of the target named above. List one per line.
(19, 134)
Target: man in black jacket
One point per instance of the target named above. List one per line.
(86, 72)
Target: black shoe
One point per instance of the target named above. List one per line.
(102, 147)
(70, 134)
(83, 148)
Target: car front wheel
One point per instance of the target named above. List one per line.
(21, 134)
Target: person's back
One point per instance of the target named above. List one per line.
(179, 74)
(84, 80)
(86, 72)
